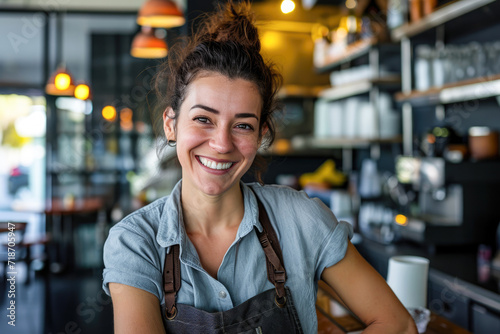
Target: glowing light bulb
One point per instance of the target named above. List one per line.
(62, 81)
(401, 220)
(82, 92)
(109, 113)
(287, 6)
(350, 4)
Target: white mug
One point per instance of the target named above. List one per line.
(407, 276)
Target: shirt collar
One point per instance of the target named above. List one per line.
(172, 231)
(251, 216)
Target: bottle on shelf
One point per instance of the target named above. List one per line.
(353, 26)
(397, 13)
(416, 10)
(423, 67)
(428, 6)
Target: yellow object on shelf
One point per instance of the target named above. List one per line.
(326, 176)
(282, 146)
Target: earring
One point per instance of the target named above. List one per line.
(171, 143)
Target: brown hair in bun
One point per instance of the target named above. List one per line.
(227, 42)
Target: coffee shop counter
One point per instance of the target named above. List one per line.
(458, 289)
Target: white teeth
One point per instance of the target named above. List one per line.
(215, 165)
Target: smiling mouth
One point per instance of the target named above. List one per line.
(215, 165)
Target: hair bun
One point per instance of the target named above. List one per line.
(232, 23)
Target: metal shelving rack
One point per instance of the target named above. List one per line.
(441, 16)
(462, 91)
(374, 52)
(456, 92)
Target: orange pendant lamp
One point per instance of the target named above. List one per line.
(146, 45)
(60, 83)
(160, 14)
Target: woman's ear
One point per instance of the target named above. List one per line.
(263, 132)
(169, 124)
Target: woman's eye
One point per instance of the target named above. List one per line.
(245, 126)
(202, 120)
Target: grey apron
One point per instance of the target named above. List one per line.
(271, 311)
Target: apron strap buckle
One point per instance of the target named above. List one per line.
(170, 315)
(264, 241)
(279, 276)
(280, 302)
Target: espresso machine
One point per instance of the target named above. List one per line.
(456, 204)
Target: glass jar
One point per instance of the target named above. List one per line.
(438, 68)
(423, 67)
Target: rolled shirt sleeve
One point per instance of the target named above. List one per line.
(327, 237)
(334, 247)
(130, 258)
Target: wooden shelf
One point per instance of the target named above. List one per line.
(440, 16)
(296, 91)
(358, 88)
(353, 51)
(479, 88)
(324, 143)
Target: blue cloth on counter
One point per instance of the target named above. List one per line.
(310, 237)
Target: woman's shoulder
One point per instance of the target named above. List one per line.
(287, 199)
(279, 192)
(270, 190)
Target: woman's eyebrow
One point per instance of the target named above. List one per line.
(215, 111)
(201, 106)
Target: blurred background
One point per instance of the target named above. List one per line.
(391, 117)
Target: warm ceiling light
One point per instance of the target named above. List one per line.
(147, 45)
(60, 83)
(401, 220)
(351, 4)
(82, 91)
(287, 6)
(160, 14)
(109, 113)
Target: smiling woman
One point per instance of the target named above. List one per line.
(219, 255)
(218, 133)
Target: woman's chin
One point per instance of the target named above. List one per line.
(216, 188)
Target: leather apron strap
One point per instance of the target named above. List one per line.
(171, 280)
(276, 272)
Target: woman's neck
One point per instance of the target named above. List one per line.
(206, 215)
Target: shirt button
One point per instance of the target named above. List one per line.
(222, 294)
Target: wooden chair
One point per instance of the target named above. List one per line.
(15, 247)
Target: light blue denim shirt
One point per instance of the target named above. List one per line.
(310, 237)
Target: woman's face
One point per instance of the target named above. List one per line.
(217, 133)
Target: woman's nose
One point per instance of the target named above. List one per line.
(222, 141)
